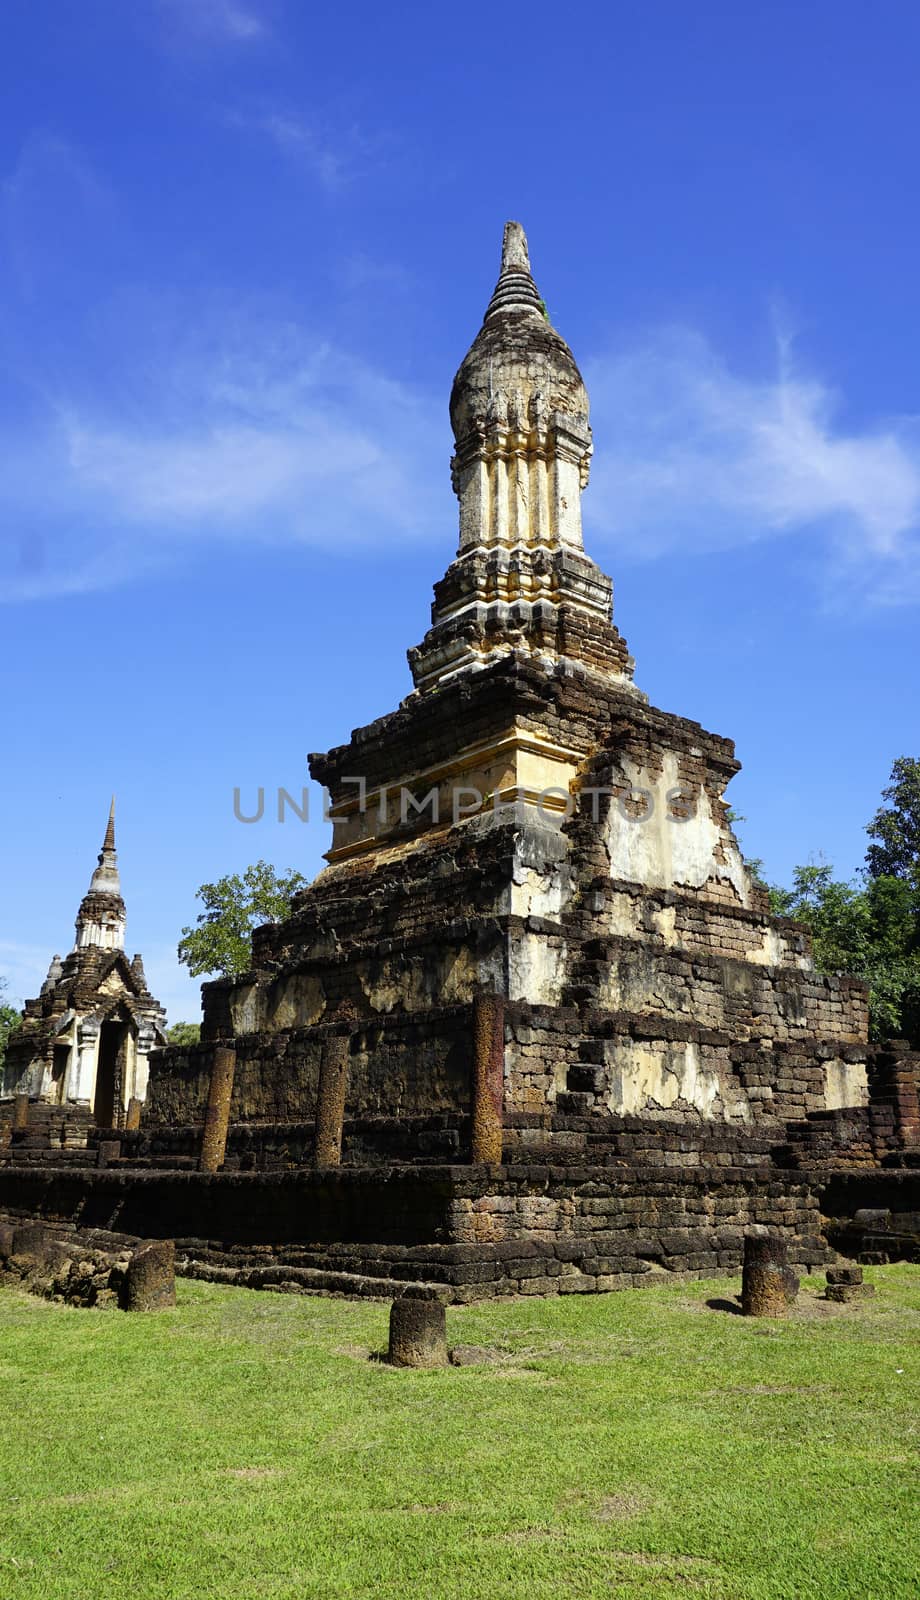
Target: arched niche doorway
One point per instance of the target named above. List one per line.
(114, 1038)
(60, 1064)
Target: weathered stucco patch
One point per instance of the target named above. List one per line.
(846, 1084)
(401, 985)
(664, 921)
(536, 970)
(653, 1076)
(538, 894)
(659, 851)
(621, 915)
(296, 1002)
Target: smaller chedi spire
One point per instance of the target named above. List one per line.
(105, 879)
(108, 842)
(55, 972)
(101, 917)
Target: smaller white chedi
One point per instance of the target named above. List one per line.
(85, 1041)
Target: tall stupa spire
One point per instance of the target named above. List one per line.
(101, 918)
(108, 842)
(521, 583)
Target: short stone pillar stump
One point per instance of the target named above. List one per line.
(768, 1284)
(418, 1332)
(150, 1281)
(845, 1284)
(20, 1113)
(107, 1152)
(133, 1114)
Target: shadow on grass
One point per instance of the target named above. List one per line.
(724, 1305)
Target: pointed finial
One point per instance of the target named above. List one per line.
(514, 247)
(108, 842)
(515, 291)
(105, 877)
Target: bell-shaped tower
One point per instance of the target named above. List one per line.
(521, 580)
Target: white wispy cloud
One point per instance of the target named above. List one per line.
(272, 436)
(176, 423)
(692, 455)
(51, 193)
(215, 19)
(333, 153)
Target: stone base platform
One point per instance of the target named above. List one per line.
(471, 1232)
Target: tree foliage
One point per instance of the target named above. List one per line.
(184, 1033)
(895, 828)
(220, 942)
(871, 927)
(9, 1020)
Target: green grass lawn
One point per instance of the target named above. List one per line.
(631, 1444)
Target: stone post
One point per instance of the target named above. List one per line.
(150, 1281)
(330, 1098)
(846, 1283)
(20, 1112)
(418, 1332)
(488, 1077)
(133, 1114)
(768, 1284)
(217, 1115)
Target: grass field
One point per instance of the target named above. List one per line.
(632, 1444)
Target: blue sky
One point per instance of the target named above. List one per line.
(244, 245)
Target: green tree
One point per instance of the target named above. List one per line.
(893, 863)
(9, 1020)
(184, 1033)
(868, 929)
(895, 828)
(233, 907)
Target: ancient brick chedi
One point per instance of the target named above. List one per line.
(527, 827)
(533, 1028)
(85, 1041)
